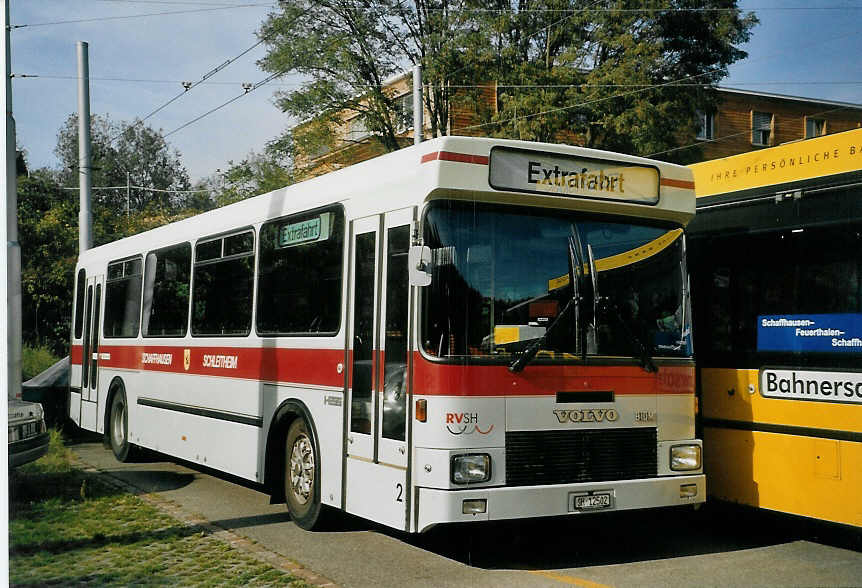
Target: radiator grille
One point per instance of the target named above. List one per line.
(535, 458)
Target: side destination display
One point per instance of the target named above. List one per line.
(307, 231)
(831, 386)
(829, 333)
(561, 175)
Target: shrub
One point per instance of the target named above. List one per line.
(35, 360)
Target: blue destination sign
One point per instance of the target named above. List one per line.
(830, 333)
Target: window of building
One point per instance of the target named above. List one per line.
(404, 113)
(706, 125)
(223, 285)
(166, 291)
(79, 303)
(814, 127)
(301, 268)
(123, 298)
(761, 128)
(357, 130)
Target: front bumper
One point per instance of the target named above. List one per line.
(445, 506)
(27, 450)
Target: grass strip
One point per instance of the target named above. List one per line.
(67, 527)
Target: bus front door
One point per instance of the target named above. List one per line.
(90, 357)
(376, 463)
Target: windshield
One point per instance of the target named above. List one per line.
(502, 276)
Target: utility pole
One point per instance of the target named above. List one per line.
(85, 176)
(417, 104)
(128, 194)
(12, 260)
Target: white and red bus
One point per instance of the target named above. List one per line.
(468, 329)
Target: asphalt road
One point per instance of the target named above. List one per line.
(670, 547)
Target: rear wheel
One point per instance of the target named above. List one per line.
(118, 426)
(302, 476)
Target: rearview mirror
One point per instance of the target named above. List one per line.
(419, 263)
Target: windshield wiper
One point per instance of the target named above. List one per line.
(643, 351)
(602, 304)
(530, 352)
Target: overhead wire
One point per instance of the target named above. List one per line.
(76, 188)
(131, 16)
(455, 86)
(219, 107)
(221, 6)
(246, 91)
(185, 91)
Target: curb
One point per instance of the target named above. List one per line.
(234, 540)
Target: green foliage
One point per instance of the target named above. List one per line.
(48, 234)
(121, 148)
(258, 173)
(621, 76)
(48, 214)
(35, 360)
(346, 50)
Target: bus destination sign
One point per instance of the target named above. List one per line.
(307, 231)
(562, 175)
(830, 333)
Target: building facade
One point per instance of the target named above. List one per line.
(743, 121)
(746, 121)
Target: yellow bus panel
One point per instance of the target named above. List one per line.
(822, 156)
(730, 394)
(807, 476)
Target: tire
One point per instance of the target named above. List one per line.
(118, 427)
(302, 476)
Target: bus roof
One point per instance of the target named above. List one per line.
(801, 160)
(446, 167)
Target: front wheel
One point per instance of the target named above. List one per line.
(302, 476)
(118, 427)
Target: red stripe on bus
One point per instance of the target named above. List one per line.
(320, 367)
(457, 157)
(538, 380)
(677, 183)
(317, 367)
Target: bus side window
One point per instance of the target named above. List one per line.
(301, 269)
(166, 291)
(223, 284)
(79, 303)
(123, 298)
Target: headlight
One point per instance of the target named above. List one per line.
(471, 468)
(685, 457)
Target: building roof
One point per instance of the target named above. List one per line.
(788, 97)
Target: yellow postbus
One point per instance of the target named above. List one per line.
(776, 266)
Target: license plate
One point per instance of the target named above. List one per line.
(592, 501)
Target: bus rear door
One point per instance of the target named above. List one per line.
(90, 357)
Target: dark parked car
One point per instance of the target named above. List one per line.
(51, 390)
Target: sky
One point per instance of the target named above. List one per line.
(803, 48)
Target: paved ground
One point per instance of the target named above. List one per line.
(664, 548)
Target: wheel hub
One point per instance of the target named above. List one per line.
(302, 469)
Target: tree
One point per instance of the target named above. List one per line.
(118, 149)
(346, 50)
(258, 173)
(47, 232)
(48, 214)
(609, 75)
